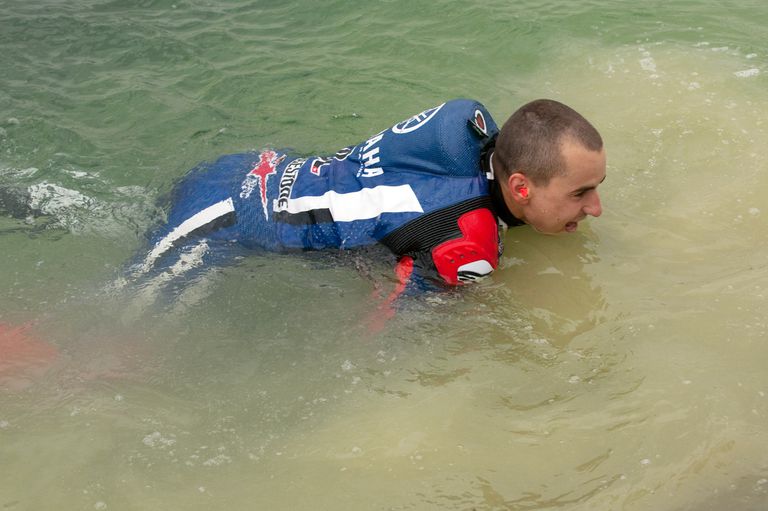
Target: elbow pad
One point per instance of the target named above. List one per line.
(472, 256)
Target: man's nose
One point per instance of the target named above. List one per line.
(593, 207)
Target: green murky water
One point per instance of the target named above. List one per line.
(622, 367)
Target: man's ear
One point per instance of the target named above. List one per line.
(518, 188)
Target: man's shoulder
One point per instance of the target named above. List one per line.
(443, 140)
(471, 114)
(463, 131)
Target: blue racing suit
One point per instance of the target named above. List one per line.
(418, 188)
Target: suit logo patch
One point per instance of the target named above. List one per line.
(258, 176)
(416, 122)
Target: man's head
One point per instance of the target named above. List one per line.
(549, 161)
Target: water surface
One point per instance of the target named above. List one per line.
(622, 367)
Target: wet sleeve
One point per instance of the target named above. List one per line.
(472, 253)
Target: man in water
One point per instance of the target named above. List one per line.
(437, 189)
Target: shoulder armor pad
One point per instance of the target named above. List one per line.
(472, 256)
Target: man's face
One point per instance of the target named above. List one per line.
(562, 203)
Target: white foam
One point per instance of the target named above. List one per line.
(648, 64)
(79, 174)
(81, 213)
(19, 173)
(157, 440)
(748, 73)
(131, 191)
(51, 199)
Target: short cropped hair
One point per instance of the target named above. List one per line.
(531, 139)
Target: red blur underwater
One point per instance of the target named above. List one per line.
(24, 358)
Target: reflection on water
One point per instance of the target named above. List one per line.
(622, 367)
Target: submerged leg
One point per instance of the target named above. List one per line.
(176, 269)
